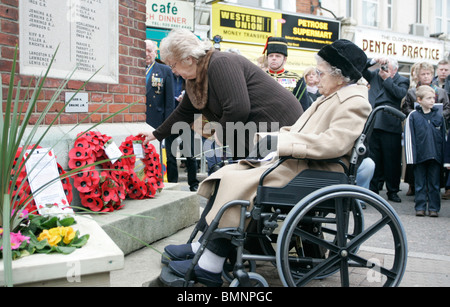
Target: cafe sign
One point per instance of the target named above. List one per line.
(170, 14)
(402, 47)
(248, 25)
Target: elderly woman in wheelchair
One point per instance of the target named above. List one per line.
(327, 130)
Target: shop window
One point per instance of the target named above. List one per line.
(389, 13)
(442, 17)
(448, 17)
(439, 15)
(349, 9)
(370, 13)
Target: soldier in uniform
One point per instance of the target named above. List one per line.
(277, 54)
(159, 88)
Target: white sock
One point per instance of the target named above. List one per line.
(195, 246)
(211, 262)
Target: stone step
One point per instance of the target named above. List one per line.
(142, 222)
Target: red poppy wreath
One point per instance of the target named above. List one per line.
(146, 180)
(22, 188)
(100, 192)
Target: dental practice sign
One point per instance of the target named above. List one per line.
(170, 14)
(405, 48)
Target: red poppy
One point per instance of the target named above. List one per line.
(82, 143)
(109, 192)
(93, 203)
(80, 153)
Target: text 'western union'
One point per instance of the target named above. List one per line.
(245, 21)
(312, 29)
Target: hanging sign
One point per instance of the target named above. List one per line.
(402, 47)
(170, 14)
(242, 24)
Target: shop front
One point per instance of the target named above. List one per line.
(406, 49)
(247, 29)
(163, 16)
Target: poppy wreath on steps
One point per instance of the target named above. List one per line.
(23, 190)
(101, 191)
(148, 179)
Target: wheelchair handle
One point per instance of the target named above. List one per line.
(392, 111)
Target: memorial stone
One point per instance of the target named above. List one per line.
(84, 31)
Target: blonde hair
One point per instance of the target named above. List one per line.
(423, 90)
(423, 66)
(181, 44)
(309, 70)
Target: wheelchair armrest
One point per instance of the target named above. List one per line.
(284, 159)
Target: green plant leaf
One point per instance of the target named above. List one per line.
(51, 222)
(79, 242)
(66, 222)
(65, 249)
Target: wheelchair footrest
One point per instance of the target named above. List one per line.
(168, 278)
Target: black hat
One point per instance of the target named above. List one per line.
(276, 45)
(346, 56)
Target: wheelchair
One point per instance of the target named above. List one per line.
(312, 229)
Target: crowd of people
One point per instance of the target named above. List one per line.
(314, 117)
(224, 87)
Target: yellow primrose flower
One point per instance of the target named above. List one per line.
(55, 235)
(69, 235)
(52, 239)
(57, 231)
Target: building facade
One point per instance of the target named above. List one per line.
(409, 30)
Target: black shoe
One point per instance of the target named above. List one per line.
(177, 253)
(194, 188)
(209, 279)
(394, 197)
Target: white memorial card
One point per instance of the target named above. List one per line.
(47, 189)
(112, 151)
(138, 149)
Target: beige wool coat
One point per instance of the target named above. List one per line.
(328, 129)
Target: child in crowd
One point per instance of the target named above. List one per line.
(424, 147)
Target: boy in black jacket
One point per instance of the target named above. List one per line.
(424, 147)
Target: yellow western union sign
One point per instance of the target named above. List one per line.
(245, 21)
(243, 24)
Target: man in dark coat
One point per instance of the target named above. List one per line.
(160, 101)
(387, 87)
(159, 88)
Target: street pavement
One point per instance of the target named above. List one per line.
(428, 262)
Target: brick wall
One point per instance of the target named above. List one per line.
(131, 87)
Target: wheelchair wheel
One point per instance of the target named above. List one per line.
(255, 279)
(313, 224)
(375, 255)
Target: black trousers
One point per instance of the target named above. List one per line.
(191, 162)
(386, 152)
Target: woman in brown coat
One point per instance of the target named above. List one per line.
(328, 129)
(228, 90)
